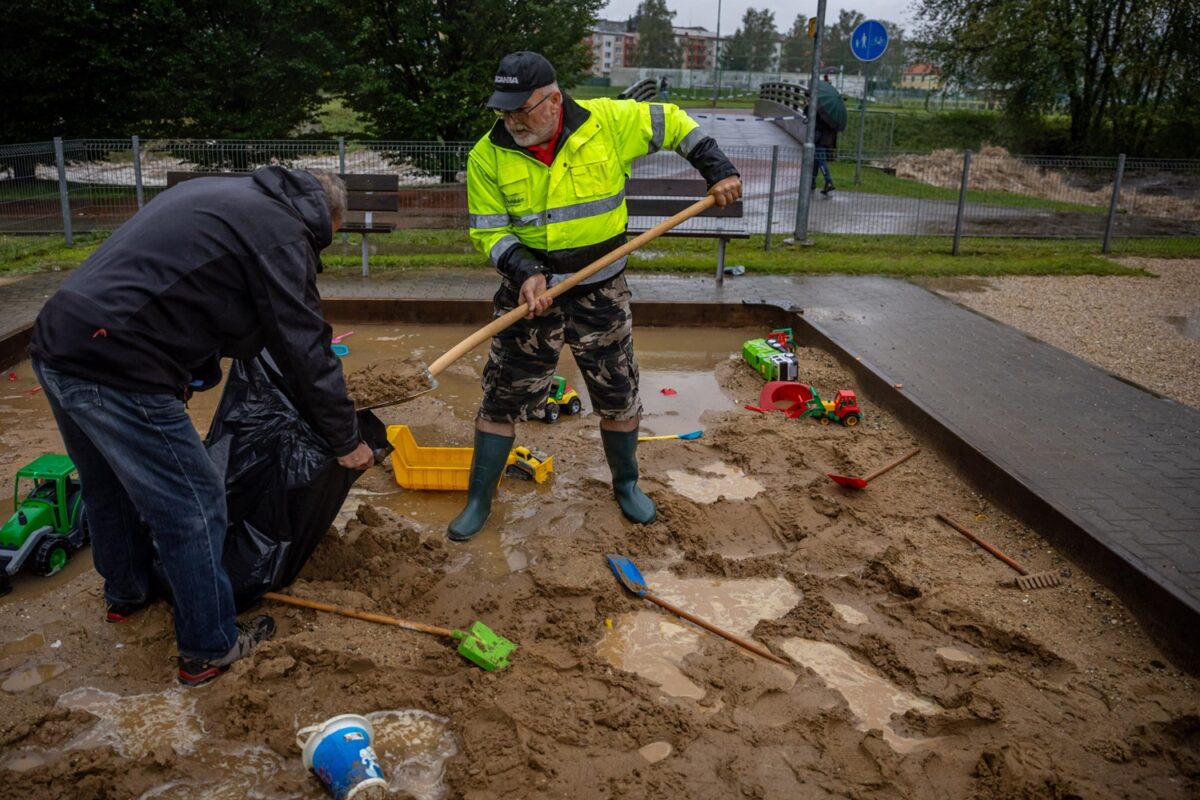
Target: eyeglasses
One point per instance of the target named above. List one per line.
(522, 112)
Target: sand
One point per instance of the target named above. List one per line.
(1050, 693)
(994, 169)
(387, 381)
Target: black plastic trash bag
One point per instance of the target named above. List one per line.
(283, 485)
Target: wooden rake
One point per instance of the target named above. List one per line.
(1039, 580)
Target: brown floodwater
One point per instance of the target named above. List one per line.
(677, 385)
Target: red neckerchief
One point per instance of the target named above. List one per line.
(545, 152)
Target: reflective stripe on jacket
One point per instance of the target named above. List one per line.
(568, 211)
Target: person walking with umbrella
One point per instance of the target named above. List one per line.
(831, 118)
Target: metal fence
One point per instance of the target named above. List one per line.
(71, 186)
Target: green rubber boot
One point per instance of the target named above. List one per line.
(487, 465)
(620, 450)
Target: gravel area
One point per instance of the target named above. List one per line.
(1146, 330)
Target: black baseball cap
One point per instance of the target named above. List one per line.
(517, 76)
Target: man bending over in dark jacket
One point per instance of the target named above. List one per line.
(213, 267)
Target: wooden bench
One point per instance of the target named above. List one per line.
(366, 196)
(650, 200)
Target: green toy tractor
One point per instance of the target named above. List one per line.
(49, 524)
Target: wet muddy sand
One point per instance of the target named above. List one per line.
(917, 670)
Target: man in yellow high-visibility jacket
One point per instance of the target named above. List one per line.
(546, 197)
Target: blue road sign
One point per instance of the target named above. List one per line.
(869, 40)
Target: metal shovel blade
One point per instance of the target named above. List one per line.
(628, 574)
(433, 384)
(483, 647)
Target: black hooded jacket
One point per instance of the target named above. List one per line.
(210, 268)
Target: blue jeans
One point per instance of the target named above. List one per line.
(822, 164)
(140, 460)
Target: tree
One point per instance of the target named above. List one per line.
(421, 69)
(835, 49)
(796, 54)
(1123, 70)
(752, 46)
(251, 68)
(656, 42)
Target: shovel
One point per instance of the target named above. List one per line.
(1040, 580)
(479, 644)
(691, 435)
(520, 312)
(861, 483)
(631, 578)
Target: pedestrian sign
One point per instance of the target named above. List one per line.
(869, 40)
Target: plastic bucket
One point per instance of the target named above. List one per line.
(339, 751)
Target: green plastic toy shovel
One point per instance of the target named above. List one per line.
(479, 644)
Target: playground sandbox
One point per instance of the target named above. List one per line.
(916, 669)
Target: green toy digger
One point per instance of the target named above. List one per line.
(48, 525)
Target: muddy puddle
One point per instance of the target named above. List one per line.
(412, 745)
(872, 699)
(653, 643)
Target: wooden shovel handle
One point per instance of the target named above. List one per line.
(519, 313)
(892, 464)
(1021, 570)
(363, 615)
(708, 626)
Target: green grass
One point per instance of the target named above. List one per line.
(882, 255)
(22, 254)
(78, 192)
(908, 256)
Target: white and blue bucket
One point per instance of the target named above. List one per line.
(339, 751)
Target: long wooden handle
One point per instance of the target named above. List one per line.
(892, 465)
(500, 323)
(363, 615)
(708, 626)
(983, 544)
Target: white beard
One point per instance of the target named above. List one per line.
(527, 137)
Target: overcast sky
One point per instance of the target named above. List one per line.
(703, 13)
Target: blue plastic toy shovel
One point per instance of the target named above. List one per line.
(631, 578)
(691, 435)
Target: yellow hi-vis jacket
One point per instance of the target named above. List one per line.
(573, 211)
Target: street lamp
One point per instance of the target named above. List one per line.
(717, 58)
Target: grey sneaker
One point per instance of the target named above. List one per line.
(198, 671)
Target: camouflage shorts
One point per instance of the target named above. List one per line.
(597, 325)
